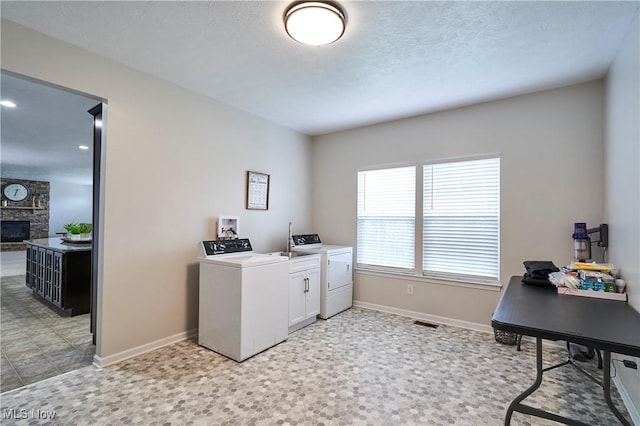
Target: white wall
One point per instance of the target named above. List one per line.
(623, 162)
(174, 160)
(69, 203)
(551, 145)
(622, 189)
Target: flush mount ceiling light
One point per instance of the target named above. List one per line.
(314, 23)
(7, 103)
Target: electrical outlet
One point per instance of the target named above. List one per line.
(632, 365)
(409, 288)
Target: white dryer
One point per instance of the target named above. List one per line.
(243, 299)
(336, 273)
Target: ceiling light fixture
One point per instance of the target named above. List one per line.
(314, 23)
(83, 147)
(7, 103)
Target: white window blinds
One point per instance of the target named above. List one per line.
(461, 215)
(386, 218)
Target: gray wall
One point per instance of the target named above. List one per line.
(69, 203)
(622, 199)
(173, 162)
(552, 175)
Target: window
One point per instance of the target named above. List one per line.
(461, 219)
(459, 225)
(386, 218)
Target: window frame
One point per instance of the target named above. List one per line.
(417, 273)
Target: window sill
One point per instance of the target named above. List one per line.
(421, 278)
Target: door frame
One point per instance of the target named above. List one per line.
(98, 126)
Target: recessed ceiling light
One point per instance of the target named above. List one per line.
(314, 23)
(7, 103)
(83, 147)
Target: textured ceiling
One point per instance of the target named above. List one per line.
(396, 59)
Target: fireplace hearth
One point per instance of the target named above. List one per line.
(14, 231)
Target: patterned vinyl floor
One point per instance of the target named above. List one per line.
(360, 367)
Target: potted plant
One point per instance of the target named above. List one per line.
(85, 230)
(73, 231)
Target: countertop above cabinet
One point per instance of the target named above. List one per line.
(56, 243)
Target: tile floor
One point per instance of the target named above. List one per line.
(36, 342)
(360, 367)
(12, 263)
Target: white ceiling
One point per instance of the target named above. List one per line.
(396, 59)
(40, 136)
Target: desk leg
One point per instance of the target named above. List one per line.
(526, 409)
(606, 380)
(532, 388)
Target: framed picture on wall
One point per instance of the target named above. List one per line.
(257, 191)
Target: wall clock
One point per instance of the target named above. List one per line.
(15, 192)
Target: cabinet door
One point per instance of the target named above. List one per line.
(313, 294)
(40, 270)
(339, 270)
(56, 280)
(48, 273)
(30, 278)
(297, 295)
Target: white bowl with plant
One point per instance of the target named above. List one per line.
(85, 230)
(73, 231)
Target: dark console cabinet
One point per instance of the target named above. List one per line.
(60, 274)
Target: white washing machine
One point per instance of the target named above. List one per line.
(336, 273)
(243, 299)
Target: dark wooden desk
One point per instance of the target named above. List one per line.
(542, 313)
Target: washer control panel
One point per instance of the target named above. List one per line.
(216, 247)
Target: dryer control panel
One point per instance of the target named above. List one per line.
(216, 247)
(302, 240)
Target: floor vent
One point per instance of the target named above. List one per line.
(426, 324)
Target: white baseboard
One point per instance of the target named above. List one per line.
(626, 399)
(443, 320)
(100, 362)
(425, 317)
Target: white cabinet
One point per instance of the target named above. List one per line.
(304, 291)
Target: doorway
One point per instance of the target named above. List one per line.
(48, 145)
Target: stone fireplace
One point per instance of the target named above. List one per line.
(34, 211)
